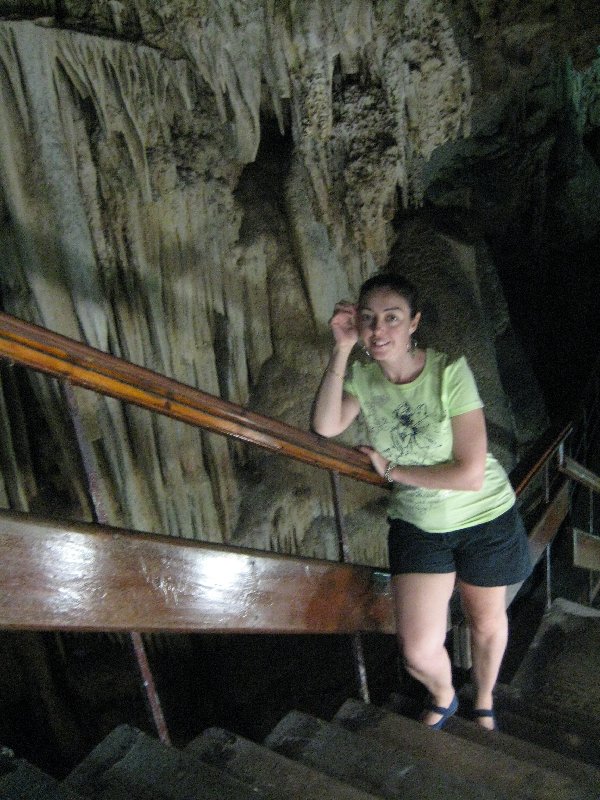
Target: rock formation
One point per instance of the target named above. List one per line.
(192, 185)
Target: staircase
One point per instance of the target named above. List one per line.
(549, 747)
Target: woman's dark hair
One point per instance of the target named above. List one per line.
(394, 282)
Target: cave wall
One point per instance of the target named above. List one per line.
(192, 185)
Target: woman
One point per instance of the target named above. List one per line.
(452, 511)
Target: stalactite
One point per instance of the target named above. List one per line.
(150, 219)
(114, 251)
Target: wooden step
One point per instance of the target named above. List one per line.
(553, 729)
(519, 736)
(561, 667)
(525, 750)
(129, 764)
(568, 736)
(20, 780)
(386, 770)
(269, 772)
(474, 763)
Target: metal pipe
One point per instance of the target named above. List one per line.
(136, 641)
(150, 692)
(548, 563)
(548, 566)
(344, 556)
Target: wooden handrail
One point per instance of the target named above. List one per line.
(522, 475)
(82, 365)
(60, 575)
(158, 583)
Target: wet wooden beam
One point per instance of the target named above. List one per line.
(68, 576)
(544, 531)
(81, 365)
(580, 474)
(586, 550)
(549, 523)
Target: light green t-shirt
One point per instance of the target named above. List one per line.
(410, 425)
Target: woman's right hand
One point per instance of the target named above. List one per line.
(343, 323)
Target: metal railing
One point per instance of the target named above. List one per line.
(583, 444)
(580, 461)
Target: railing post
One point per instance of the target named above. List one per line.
(548, 569)
(135, 638)
(344, 555)
(547, 553)
(152, 697)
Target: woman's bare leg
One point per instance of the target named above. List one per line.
(485, 610)
(421, 602)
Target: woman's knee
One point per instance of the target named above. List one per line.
(484, 608)
(488, 624)
(419, 653)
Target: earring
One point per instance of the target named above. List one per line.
(366, 352)
(411, 347)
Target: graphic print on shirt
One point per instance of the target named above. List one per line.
(410, 434)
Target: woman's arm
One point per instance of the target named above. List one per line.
(333, 411)
(465, 471)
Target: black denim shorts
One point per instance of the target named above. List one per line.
(494, 553)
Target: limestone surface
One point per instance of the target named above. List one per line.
(191, 185)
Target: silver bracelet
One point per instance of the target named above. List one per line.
(387, 474)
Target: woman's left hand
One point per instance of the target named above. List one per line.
(379, 462)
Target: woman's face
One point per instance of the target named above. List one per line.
(385, 324)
